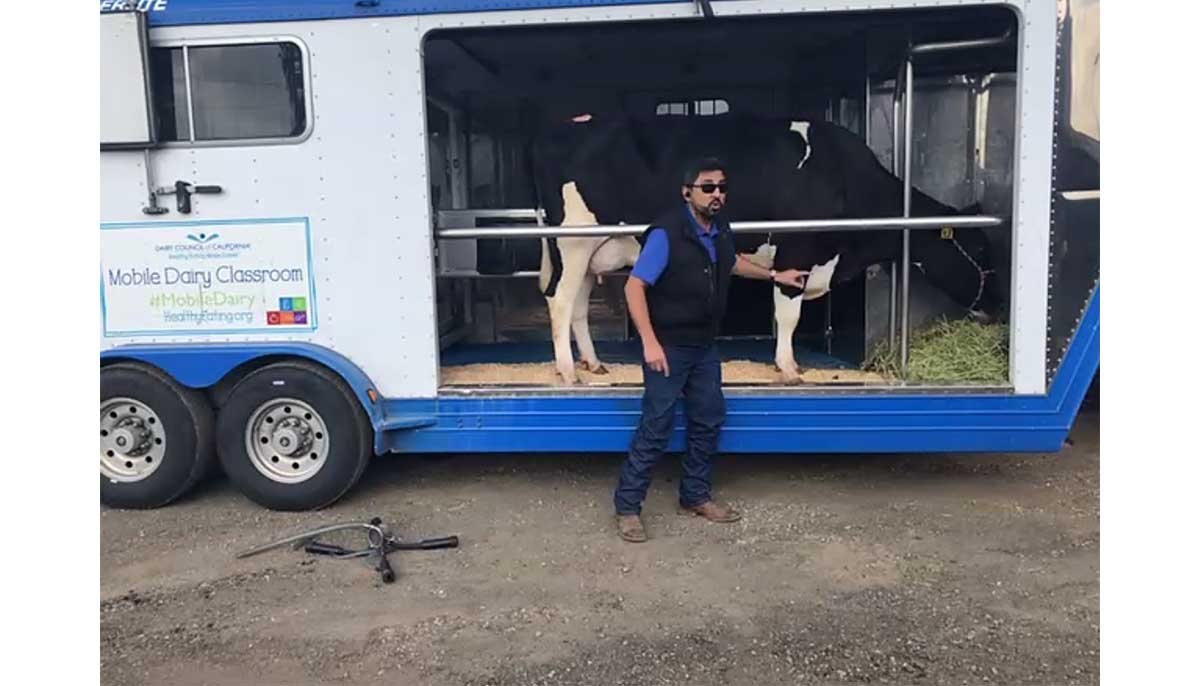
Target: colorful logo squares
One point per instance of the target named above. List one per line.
(291, 311)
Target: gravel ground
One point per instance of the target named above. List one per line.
(880, 569)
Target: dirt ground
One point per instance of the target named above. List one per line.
(924, 569)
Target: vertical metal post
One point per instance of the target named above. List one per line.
(829, 323)
(905, 267)
(897, 98)
(867, 114)
(897, 142)
(187, 85)
(456, 159)
(892, 291)
(152, 204)
(979, 160)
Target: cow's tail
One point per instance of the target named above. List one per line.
(550, 272)
(552, 267)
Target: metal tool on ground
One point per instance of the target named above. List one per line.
(380, 542)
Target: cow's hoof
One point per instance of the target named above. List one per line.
(587, 367)
(791, 377)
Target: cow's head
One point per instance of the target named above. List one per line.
(959, 263)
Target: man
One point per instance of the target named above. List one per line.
(677, 293)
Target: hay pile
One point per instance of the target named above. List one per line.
(949, 353)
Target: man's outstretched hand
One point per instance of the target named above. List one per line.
(791, 277)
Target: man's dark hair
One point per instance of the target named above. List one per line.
(692, 170)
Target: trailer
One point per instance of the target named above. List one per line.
(319, 232)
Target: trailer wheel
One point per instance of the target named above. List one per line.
(156, 437)
(292, 436)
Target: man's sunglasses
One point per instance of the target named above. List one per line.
(710, 187)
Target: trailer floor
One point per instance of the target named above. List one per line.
(745, 362)
(912, 569)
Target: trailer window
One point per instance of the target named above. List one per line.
(170, 94)
(237, 92)
(699, 108)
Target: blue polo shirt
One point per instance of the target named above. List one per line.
(653, 260)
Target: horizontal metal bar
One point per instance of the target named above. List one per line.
(467, 274)
(950, 46)
(457, 216)
(798, 226)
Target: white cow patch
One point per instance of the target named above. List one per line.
(575, 210)
(787, 315)
(582, 258)
(801, 127)
(819, 279)
(764, 256)
(614, 253)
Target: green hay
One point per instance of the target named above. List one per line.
(949, 352)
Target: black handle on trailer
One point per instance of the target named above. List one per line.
(183, 195)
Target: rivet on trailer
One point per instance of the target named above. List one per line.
(389, 226)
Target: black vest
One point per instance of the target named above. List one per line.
(687, 302)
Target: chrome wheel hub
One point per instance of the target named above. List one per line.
(287, 440)
(132, 440)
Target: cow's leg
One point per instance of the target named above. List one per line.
(583, 334)
(609, 256)
(550, 281)
(787, 317)
(575, 254)
(561, 310)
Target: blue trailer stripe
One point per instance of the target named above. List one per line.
(194, 12)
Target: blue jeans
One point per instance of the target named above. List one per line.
(696, 374)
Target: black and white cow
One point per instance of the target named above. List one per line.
(612, 172)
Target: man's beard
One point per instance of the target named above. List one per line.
(708, 211)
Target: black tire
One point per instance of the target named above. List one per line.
(350, 443)
(187, 420)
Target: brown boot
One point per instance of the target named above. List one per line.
(714, 512)
(629, 527)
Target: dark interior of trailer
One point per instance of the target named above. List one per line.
(490, 91)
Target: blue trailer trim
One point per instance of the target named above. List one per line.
(201, 365)
(761, 424)
(191, 12)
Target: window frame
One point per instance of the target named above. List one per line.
(306, 75)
